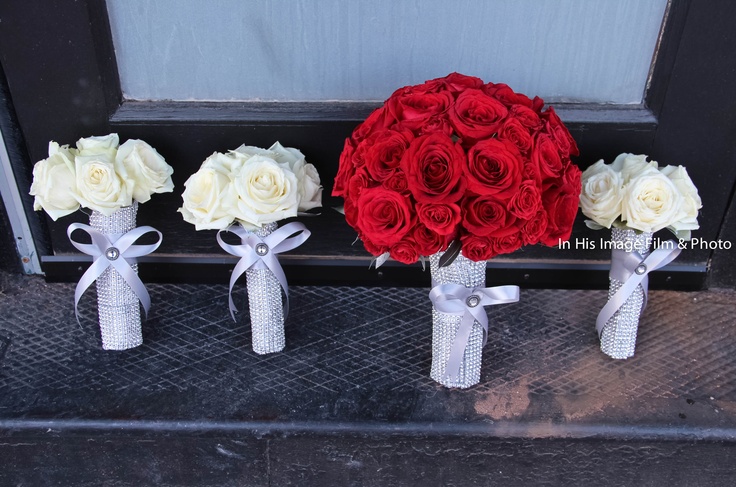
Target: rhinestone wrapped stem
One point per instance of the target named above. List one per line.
(618, 339)
(464, 272)
(265, 303)
(117, 304)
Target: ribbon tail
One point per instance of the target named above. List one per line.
(656, 260)
(644, 287)
(616, 301)
(480, 315)
(455, 360)
(243, 265)
(273, 264)
(122, 266)
(93, 272)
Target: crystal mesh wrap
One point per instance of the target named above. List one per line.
(266, 306)
(618, 338)
(117, 304)
(467, 273)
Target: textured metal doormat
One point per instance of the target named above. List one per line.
(367, 350)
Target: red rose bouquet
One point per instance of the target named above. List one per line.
(458, 160)
(460, 171)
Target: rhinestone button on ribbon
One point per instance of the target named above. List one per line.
(112, 253)
(261, 249)
(472, 301)
(640, 269)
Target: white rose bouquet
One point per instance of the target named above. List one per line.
(110, 179)
(250, 186)
(246, 191)
(637, 198)
(99, 174)
(636, 194)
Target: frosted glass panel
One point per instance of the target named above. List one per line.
(562, 50)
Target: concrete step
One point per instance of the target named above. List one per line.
(350, 402)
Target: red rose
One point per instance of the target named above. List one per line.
(429, 242)
(360, 180)
(534, 228)
(537, 104)
(476, 115)
(345, 169)
(459, 82)
(559, 133)
(405, 251)
(396, 181)
(506, 95)
(573, 176)
(477, 248)
(384, 217)
(506, 245)
(433, 165)
(440, 218)
(377, 120)
(351, 212)
(437, 123)
(527, 201)
(412, 109)
(561, 204)
(484, 215)
(547, 157)
(383, 151)
(531, 171)
(526, 116)
(515, 132)
(494, 168)
(372, 248)
(430, 86)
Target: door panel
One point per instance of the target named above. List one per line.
(71, 89)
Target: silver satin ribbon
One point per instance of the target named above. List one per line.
(632, 270)
(114, 250)
(469, 303)
(286, 238)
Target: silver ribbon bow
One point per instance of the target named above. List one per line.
(468, 302)
(260, 253)
(117, 251)
(632, 269)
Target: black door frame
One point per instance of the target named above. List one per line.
(59, 65)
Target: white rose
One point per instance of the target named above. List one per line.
(227, 164)
(310, 190)
(204, 196)
(308, 185)
(146, 168)
(267, 192)
(651, 202)
(630, 165)
(249, 151)
(601, 197)
(691, 201)
(54, 185)
(99, 144)
(102, 185)
(287, 155)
